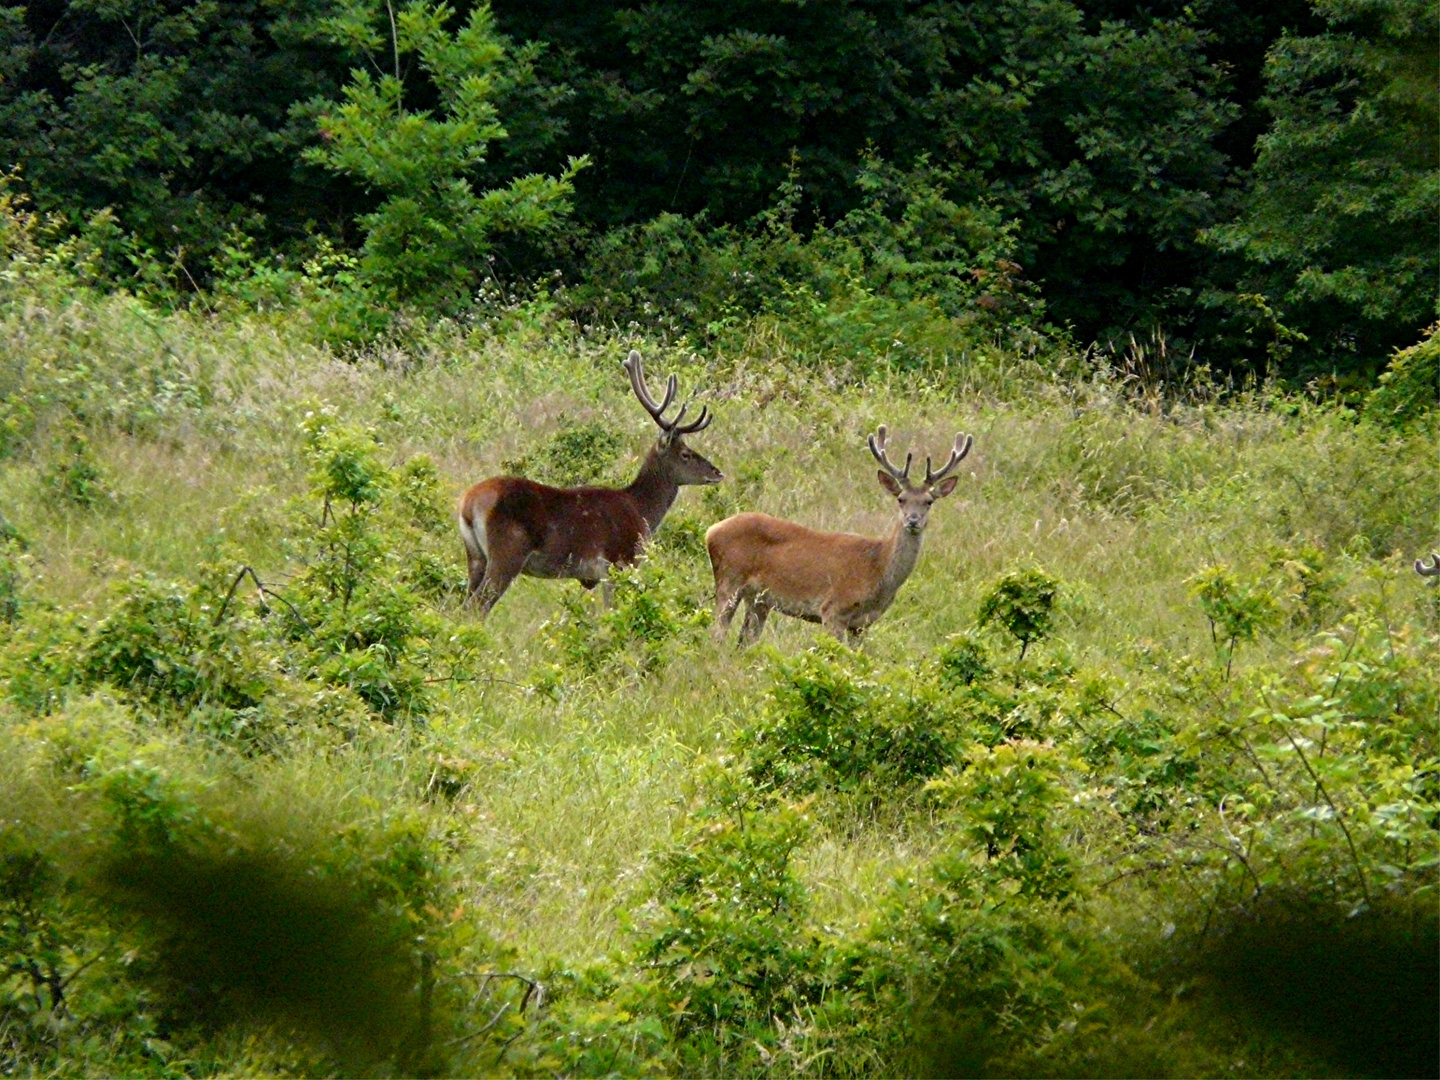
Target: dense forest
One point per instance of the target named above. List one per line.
(1258, 185)
(1136, 771)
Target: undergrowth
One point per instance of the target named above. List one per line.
(1143, 747)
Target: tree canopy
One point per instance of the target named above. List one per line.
(1236, 178)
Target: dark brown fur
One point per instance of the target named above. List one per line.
(512, 526)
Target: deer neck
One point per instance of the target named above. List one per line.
(899, 553)
(653, 490)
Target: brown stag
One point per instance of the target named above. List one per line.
(842, 581)
(512, 526)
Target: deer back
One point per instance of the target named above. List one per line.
(556, 527)
(796, 566)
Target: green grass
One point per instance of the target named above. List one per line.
(571, 792)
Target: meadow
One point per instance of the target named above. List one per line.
(316, 818)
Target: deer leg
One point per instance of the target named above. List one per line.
(756, 611)
(727, 599)
(506, 559)
(476, 561)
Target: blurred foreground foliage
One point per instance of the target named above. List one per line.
(247, 774)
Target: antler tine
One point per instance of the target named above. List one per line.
(877, 447)
(963, 443)
(700, 423)
(1432, 569)
(636, 369)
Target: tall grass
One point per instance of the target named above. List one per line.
(551, 793)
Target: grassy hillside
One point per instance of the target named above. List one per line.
(643, 821)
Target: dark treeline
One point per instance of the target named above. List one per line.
(1258, 181)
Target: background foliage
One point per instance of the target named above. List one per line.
(1261, 186)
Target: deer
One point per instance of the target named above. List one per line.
(842, 581)
(512, 526)
(1431, 570)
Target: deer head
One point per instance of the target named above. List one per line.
(915, 501)
(676, 461)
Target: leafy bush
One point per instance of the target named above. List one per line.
(1003, 797)
(729, 947)
(1236, 612)
(653, 611)
(187, 909)
(580, 452)
(1023, 604)
(901, 281)
(1409, 387)
(157, 644)
(829, 725)
(77, 477)
(348, 610)
(427, 240)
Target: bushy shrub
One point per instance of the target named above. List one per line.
(905, 280)
(348, 609)
(76, 476)
(830, 725)
(156, 643)
(428, 238)
(580, 452)
(729, 946)
(1236, 612)
(160, 907)
(41, 660)
(1004, 797)
(1409, 388)
(11, 578)
(653, 612)
(1022, 603)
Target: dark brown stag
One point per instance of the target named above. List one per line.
(513, 526)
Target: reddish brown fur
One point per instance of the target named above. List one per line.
(840, 580)
(512, 526)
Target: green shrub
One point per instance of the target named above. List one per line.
(11, 580)
(829, 725)
(77, 477)
(1023, 604)
(729, 947)
(655, 610)
(1003, 797)
(42, 660)
(580, 452)
(1409, 388)
(348, 609)
(156, 644)
(1236, 612)
(905, 280)
(427, 240)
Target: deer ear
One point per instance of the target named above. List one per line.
(888, 482)
(945, 487)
